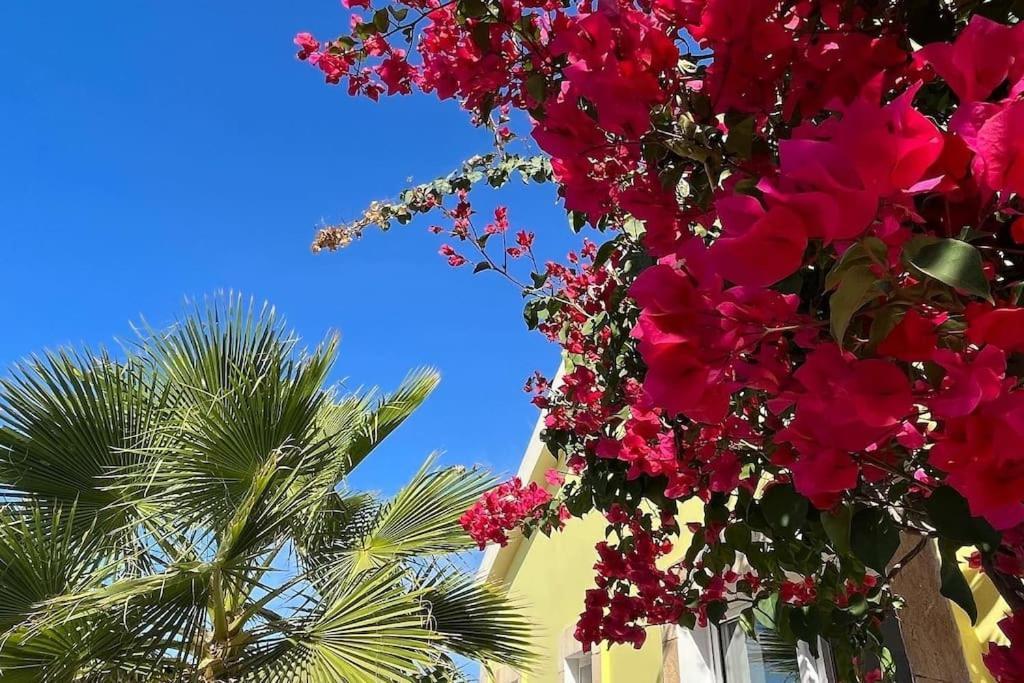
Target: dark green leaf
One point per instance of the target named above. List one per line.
(604, 252)
(856, 288)
(738, 536)
(874, 539)
(955, 263)
(784, 508)
(864, 253)
(716, 611)
(536, 86)
(837, 526)
(951, 516)
(741, 137)
(953, 584)
(381, 20)
(472, 8)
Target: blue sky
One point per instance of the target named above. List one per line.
(154, 151)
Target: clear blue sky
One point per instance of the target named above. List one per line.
(157, 150)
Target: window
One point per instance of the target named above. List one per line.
(763, 658)
(726, 654)
(579, 668)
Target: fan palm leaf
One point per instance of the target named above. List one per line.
(180, 514)
(477, 619)
(422, 518)
(369, 628)
(70, 422)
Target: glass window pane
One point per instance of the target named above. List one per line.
(586, 673)
(580, 668)
(762, 659)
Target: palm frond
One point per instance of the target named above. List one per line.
(371, 628)
(242, 395)
(181, 513)
(334, 530)
(160, 616)
(388, 412)
(422, 518)
(479, 620)
(71, 421)
(44, 554)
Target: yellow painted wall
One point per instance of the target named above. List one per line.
(991, 610)
(550, 575)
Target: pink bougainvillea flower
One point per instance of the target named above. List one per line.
(1002, 327)
(984, 55)
(967, 382)
(554, 477)
(824, 475)
(307, 45)
(914, 338)
(758, 247)
(1006, 662)
(980, 452)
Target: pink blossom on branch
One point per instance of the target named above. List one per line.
(809, 304)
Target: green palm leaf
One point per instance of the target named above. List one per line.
(478, 620)
(388, 412)
(71, 421)
(422, 519)
(241, 397)
(180, 514)
(370, 628)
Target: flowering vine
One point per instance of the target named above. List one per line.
(805, 309)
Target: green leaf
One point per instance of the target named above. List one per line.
(857, 606)
(856, 288)
(478, 620)
(381, 20)
(953, 584)
(765, 609)
(883, 323)
(535, 311)
(536, 86)
(473, 8)
(951, 515)
(837, 527)
(784, 508)
(716, 611)
(955, 263)
(422, 519)
(481, 267)
(738, 536)
(741, 137)
(864, 253)
(874, 539)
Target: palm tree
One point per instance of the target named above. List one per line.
(179, 513)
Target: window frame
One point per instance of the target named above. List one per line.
(570, 650)
(701, 656)
(575, 662)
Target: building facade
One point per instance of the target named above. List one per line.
(933, 641)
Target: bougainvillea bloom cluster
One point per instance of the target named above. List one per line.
(804, 308)
(502, 509)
